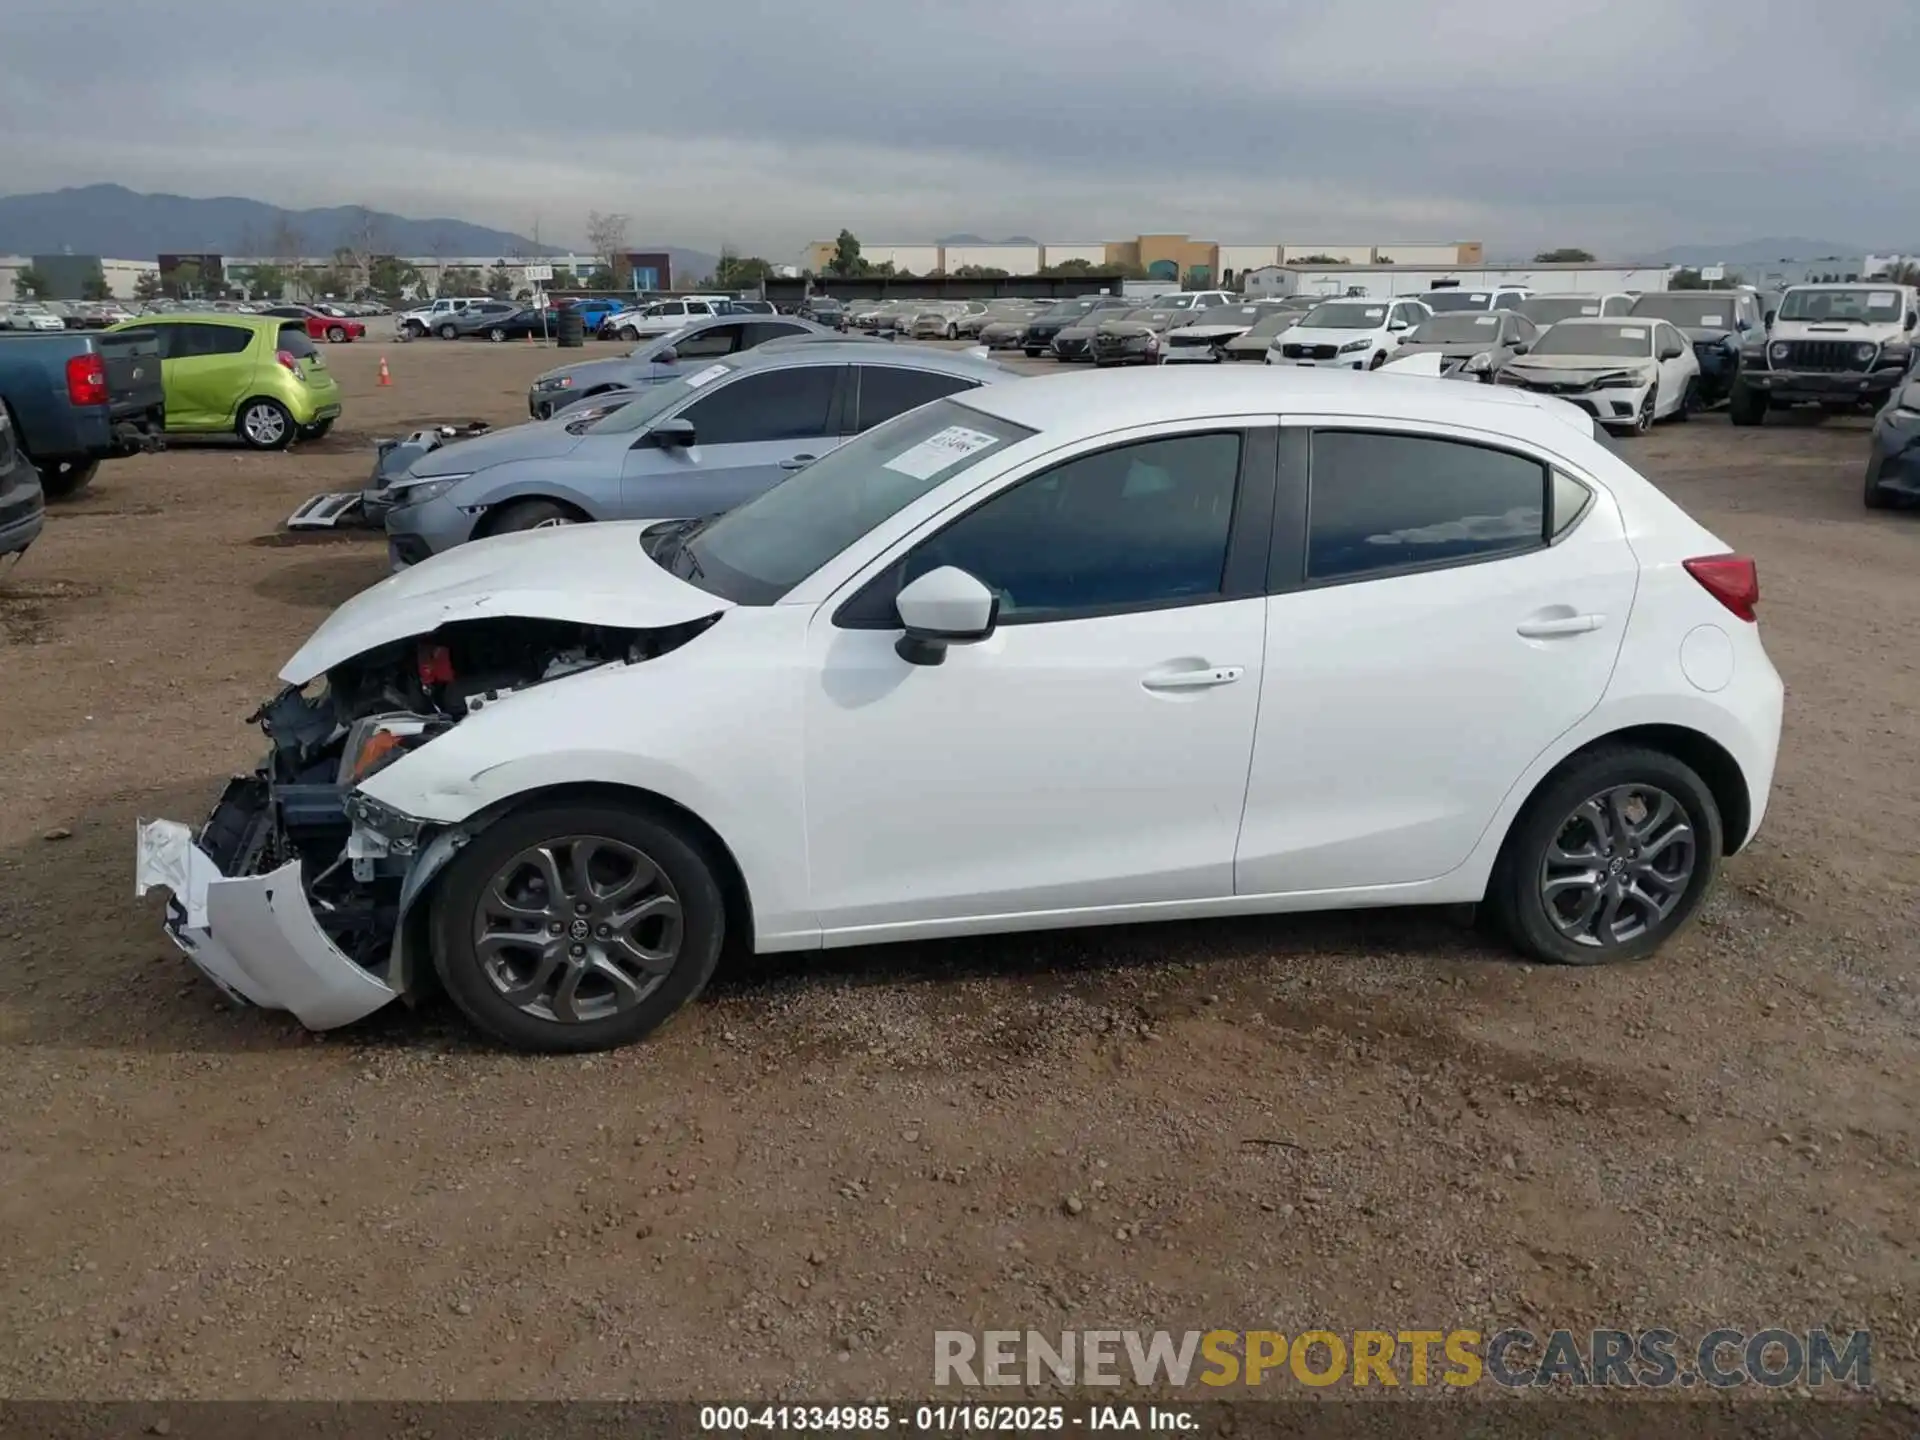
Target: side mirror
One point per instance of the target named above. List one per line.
(1397, 325)
(943, 607)
(1767, 320)
(668, 356)
(1521, 348)
(673, 434)
(1912, 319)
(1671, 352)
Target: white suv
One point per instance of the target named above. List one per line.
(1356, 334)
(422, 321)
(662, 317)
(1843, 347)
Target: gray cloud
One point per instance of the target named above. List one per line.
(1616, 124)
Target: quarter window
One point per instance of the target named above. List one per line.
(788, 404)
(1381, 503)
(192, 341)
(1136, 526)
(890, 390)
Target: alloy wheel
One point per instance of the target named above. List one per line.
(1618, 865)
(579, 928)
(265, 425)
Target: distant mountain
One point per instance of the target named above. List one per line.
(121, 224)
(1761, 252)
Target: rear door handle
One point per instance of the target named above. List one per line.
(1194, 679)
(1548, 628)
(798, 462)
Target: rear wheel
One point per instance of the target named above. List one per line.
(1745, 405)
(1607, 860)
(336, 334)
(534, 515)
(265, 425)
(62, 478)
(573, 927)
(496, 334)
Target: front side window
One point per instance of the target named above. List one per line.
(1138, 525)
(889, 390)
(765, 405)
(706, 344)
(1381, 503)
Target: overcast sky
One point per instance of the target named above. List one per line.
(1619, 125)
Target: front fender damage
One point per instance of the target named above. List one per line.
(302, 893)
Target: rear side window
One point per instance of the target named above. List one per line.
(888, 390)
(761, 331)
(705, 344)
(292, 339)
(190, 341)
(1384, 503)
(789, 404)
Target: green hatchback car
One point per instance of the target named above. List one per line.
(257, 376)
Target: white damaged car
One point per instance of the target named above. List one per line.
(1022, 658)
(1625, 373)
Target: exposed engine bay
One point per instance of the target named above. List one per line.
(325, 738)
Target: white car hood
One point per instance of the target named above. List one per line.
(1421, 362)
(1301, 335)
(1862, 334)
(1579, 367)
(588, 574)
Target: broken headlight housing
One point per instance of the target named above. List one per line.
(419, 492)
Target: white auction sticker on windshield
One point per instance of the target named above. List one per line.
(1884, 297)
(1486, 320)
(1630, 332)
(706, 376)
(1712, 322)
(937, 452)
(1589, 309)
(1375, 314)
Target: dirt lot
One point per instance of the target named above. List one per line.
(1346, 1121)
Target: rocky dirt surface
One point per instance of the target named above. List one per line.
(1350, 1121)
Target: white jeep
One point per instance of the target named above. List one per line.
(416, 323)
(1842, 347)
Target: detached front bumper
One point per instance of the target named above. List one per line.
(254, 936)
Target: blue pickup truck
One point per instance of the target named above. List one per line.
(76, 397)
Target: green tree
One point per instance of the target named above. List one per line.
(1907, 272)
(846, 256)
(1565, 255)
(269, 282)
(563, 279)
(980, 272)
(1322, 260)
(499, 281)
(601, 278)
(460, 280)
(319, 281)
(736, 272)
(184, 283)
(95, 287)
(147, 286)
(392, 278)
(29, 284)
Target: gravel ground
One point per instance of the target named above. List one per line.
(1347, 1121)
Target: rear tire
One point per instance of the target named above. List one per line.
(496, 335)
(1535, 899)
(534, 515)
(62, 479)
(264, 425)
(499, 987)
(1745, 405)
(336, 334)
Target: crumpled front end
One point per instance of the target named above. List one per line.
(300, 892)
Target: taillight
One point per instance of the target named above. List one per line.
(288, 359)
(1733, 580)
(87, 380)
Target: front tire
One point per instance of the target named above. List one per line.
(1379, 359)
(1607, 860)
(1745, 405)
(627, 332)
(264, 425)
(60, 479)
(449, 332)
(573, 927)
(496, 335)
(533, 515)
(1643, 418)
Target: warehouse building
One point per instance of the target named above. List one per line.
(1380, 281)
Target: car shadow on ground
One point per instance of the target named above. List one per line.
(329, 580)
(85, 963)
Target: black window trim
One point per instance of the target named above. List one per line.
(1287, 571)
(1249, 534)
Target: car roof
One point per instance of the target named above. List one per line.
(1073, 406)
(1579, 322)
(776, 354)
(211, 317)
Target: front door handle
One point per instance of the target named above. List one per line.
(1548, 627)
(1194, 679)
(798, 462)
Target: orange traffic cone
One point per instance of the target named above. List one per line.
(385, 378)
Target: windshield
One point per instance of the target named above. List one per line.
(1625, 342)
(1551, 310)
(1068, 309)
(1274, 322)
(1345, 315)
(757, 553)
(1458, 329)
(1695, 312)
(656, 400)
(1446, 301)
(1859, 303)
